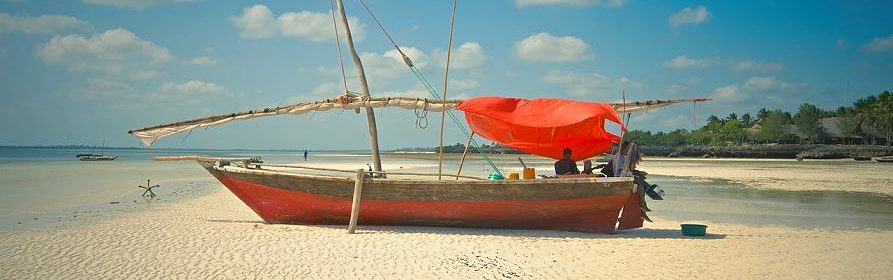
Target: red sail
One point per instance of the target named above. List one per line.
(543, 126)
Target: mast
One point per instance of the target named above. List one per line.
(370, 114)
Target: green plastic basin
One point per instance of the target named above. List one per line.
(694, 230)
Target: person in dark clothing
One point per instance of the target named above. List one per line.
(566, 166)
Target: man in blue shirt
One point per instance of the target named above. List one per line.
(566, 166)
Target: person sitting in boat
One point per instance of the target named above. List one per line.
(566, 166)
(587, 167)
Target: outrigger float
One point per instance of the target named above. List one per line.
(286, 194)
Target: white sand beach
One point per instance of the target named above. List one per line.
(215, 236)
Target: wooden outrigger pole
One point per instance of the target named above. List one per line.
(370, 113)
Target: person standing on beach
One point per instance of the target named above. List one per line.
(305, 155)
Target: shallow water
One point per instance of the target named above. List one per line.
(51, 185)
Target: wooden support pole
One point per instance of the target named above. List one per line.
(446, 78)
(361, 74)
(462, 160)
(355, 206)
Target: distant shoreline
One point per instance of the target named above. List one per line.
(759, 151)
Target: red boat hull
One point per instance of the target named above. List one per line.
(291, 199)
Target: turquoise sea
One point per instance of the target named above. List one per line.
(50, 187)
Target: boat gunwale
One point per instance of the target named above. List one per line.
(591, 180)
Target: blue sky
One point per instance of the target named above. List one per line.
(81, 72)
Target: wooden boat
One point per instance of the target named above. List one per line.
(282, 194)
(278, 194)
(884, 159)
(97, 158)
(861, 158)
(580, 204)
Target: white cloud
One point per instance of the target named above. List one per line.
(575, 3)
(689, 15)
(581, 84)
(750, 65)
(390, 64)
(468, 55)
(675, 88)
(684, 62)
(693, 81)
(764, 86)
(317, 27)
(257, 22)
(327, 90)
(461, 85)
(113, 52)
(191, 90)
(729, 93)
(546, 47)
(388, 73)
(124, 95)
(879, 45)
(44, 24)
(761, 83)
(133, 4)
(101, 88)
(202, 60)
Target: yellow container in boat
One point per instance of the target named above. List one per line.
(529, 173)
(514, 176)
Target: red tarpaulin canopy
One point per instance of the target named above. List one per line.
(543, 126)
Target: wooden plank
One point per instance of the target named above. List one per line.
(355, 206)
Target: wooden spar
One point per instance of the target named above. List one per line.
(355, 206)
(370, 113)
(446, 78)
(350, 171)
(462, 160)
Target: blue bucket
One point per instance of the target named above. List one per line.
(694, 230)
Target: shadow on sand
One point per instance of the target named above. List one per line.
(646, 233)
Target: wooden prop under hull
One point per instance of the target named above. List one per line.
(588, 205)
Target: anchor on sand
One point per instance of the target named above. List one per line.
(149, 188)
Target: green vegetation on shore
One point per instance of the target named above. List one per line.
(869, 121)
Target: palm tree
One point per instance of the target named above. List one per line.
(864, 112)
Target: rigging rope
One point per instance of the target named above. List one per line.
(430, 88)
(338, 42)
(421, 116)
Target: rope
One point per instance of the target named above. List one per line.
(446, 79)
(421, 116)
(338, 42)
(428, 86)
(405, 58)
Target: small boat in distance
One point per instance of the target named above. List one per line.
(96, 157)
(884, 159)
